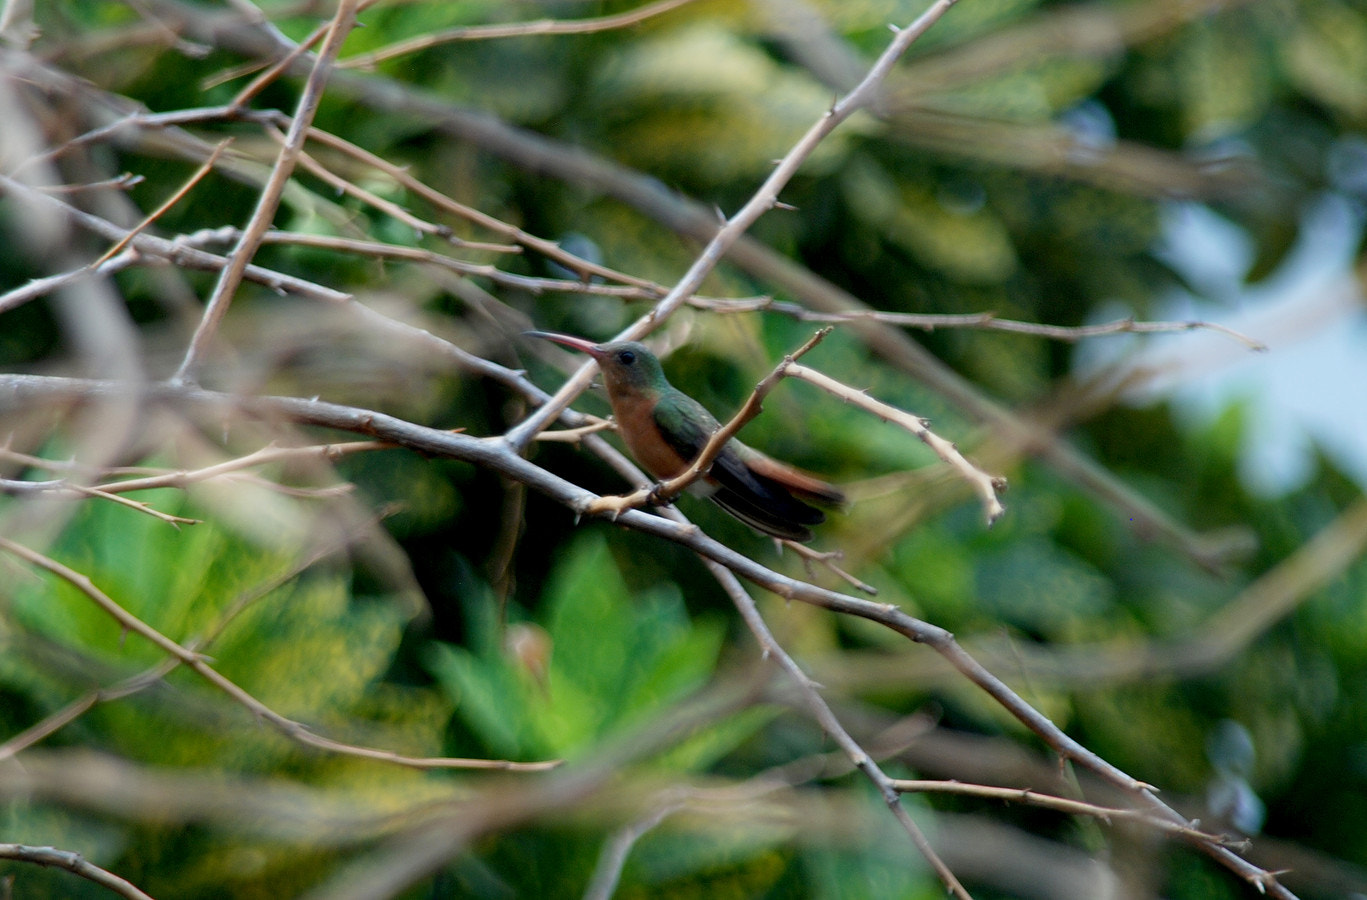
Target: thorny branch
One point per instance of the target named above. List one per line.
(495, 455)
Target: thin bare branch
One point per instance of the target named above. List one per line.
(985, 321)
(166, 205)
(826, 718)
(76, 864)
(985, 485)
(576, 435)
(264, 456)
(231, 276)
(550, 249)
(513, 29)
(826, 559)
(50, 725)
(42, 287)
(1061, 804)
(613, 856)
(147, 247)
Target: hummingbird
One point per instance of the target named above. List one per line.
(665, 430)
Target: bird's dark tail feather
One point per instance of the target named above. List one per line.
(778, 517)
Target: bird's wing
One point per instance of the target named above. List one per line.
(756, 498)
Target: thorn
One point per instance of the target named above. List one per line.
(779, 204)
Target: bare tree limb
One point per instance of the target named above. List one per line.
(75, 863)
(241, 255)
(494, 454)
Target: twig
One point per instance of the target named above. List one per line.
(270, 73)
(987, 321)
(41, 287)
(75, 863)
(176, 197)
(182, 477)
(143, 680)
(826, 718)
(550, 249)
(231, 276)
(68, 489)
(613, 857)
(576, 435)
(50, 725)
(1061, 804)
(987, 486)
(515, 29)
(158, 248)
(827, 558)
(124, 182)
(110, 490)
(168, 518)
(388, 207)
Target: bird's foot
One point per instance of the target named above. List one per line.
(660, 495)
(612, 506)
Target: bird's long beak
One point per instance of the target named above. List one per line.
(568, 340)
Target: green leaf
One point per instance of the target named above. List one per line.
(616, 660)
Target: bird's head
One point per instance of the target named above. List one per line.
(628, 366)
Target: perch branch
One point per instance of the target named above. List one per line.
(495, 455)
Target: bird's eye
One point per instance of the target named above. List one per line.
(626, 357)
